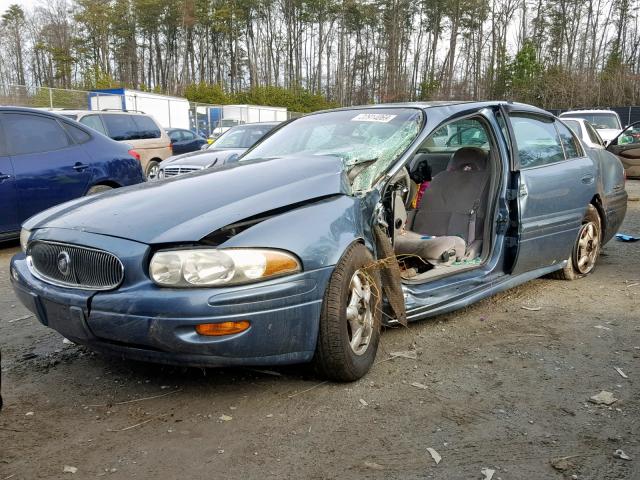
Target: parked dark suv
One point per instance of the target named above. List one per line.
(46, 159)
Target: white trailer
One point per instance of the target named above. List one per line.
(170, 112)
(253, 113)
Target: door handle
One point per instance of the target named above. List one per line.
(587, 179)
(79, 167)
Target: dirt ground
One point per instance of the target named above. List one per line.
(505, 388)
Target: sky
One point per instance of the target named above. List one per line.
(26, 4)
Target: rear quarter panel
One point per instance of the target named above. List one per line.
(111, 163)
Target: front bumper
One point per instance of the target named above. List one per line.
(145, 322)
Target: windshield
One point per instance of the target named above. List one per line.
(599, 120)
(367, 140)
(242, 137)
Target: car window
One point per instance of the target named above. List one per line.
(574, 125)
(146, 128)
(466, 133)
(33, 134)
(175, 135)
(121, 127)
(242, 136)
(187, 135)
(593, 135)
(78, 135)
(599, 120)
(630, 136)
(93, 121)
(571, 147)
(536, 139)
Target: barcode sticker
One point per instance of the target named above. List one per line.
(373, 117)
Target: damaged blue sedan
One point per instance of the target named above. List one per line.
(334, 225)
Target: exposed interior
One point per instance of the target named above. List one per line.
(441, 225)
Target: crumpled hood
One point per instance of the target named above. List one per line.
(189, 207)
(203, 158)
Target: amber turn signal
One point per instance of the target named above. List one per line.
(222, 328)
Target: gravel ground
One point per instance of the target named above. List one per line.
(500, 386)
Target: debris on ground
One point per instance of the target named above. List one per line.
(619, 370)
(363, 402)
(563, 464)
(488, 473)
(69, 469)
(373, 465)
(225, 418)
(410, 354)
(621, 455)
(623, 237)
(419, 385)
(601, 327)
(66, 341)
(29, 414)
(603, 398)
(531, 309)
(435, 455)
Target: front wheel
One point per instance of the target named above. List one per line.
(350, 320)
(586, 250)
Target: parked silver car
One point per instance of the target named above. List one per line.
(233, 143)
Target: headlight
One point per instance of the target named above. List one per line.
(210, 267)
(24, 239)
(161, 173)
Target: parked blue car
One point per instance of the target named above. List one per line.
(46, 159)
(185, 141)
(299, 251)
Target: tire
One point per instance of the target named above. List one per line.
(98, 189)
(586, 249)
(335, 358)
(153, 169)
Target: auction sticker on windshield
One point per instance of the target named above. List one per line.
(373, 117)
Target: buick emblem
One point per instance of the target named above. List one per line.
(64, 263)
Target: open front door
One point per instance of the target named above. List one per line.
(553, 182)
(627, 147)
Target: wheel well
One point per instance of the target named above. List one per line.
(107, 183)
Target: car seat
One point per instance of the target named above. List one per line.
(449, 222)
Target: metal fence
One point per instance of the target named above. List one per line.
(628, 115)
(204, 118)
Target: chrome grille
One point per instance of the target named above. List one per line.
(173, 171)
(75, 266)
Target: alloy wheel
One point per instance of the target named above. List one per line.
(588, 248)
(360, 316)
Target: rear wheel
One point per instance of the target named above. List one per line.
(152, 170)
(350, 320)
(586, 250)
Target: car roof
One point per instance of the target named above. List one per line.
(583, 112)
(452, 105)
